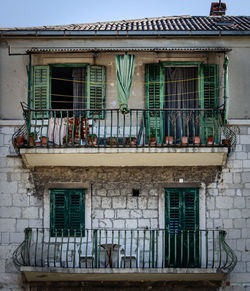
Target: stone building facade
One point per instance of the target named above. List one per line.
(126, 197)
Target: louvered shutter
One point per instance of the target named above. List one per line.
(40, 91)
(67, 211)
(182, 224)
(96, 91)
(76, 211)
(154, 100)
(58, 212)
(209, 100)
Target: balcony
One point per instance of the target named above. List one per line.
(131, 255)
(142, 137)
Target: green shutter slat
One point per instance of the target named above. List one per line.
(40, 91)
(96, 90)
(154, 99)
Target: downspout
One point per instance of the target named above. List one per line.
(226, 89)
(29, 82)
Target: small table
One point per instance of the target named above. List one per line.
(110, 249)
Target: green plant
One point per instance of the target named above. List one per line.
(91, 135)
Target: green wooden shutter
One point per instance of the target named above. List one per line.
(67, 211)
(96, 91)
(154, 100)
(76, 211)
(182, 224)
(209, 100)
(40, 91)
(59, 215)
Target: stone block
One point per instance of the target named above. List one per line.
(20, 200)
(120, 224)
(105, 223)
(106, 202)
(248, 202)
(95, 223)
(245, 139)
(7, 130)
(227, 177)
(119, 202)
(132, 202)
(210, 203)
(150, 213)
(224, 202)
(240, 223)
(246, 177)
(101, 192)
(154, 223)
(142, 203)
(153, 192)
(234, 234)
(153, 203)
(30, 212)
(36, 223)
(234, 213)
(246, 164)
(10, 212)
(241, 245)
(35, 201)
(218, 223)
(5, 200)
(96, 202)
(109, 213)
(21, 224)
(5, 238)
(227, 223)
(143, 223)
(7, 225)
(122, 213)
(131, 223)
(113, 192)
(239, 192)
(229, 192)
(98, 213)
(214, 213)
(224, 213)
(8, 187)
(137, 213)
(237, 178)
(239, 202)
(16, 237)
(241, 156)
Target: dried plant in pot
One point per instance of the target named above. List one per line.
(92, 139)
(32, 138)
(20, 141)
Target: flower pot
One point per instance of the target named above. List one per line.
(111, 140)
(152, 141)
(31, 141)
(20, 141)
(210, 140)
(44, 140)
(92, 140)
(197, 140)
(169, 140)
(38, 143)
(184, 140)
(133, 141)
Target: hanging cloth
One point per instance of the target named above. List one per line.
(125, 66)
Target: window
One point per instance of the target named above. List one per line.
(72, 86)
(180, 86)
(67, 212)
(182, 225)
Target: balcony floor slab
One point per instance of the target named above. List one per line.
(125, 157)
(35, 274)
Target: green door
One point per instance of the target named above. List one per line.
(182, 227)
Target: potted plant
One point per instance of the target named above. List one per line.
(20, 141)
(44, 140)
(210, 140)
(32, 138)
(169, 140)
(152, 138)
(197, 140)
(111, 140)
(131, 141)
(92, 139)
(184, 140)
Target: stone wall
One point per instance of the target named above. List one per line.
(227, 200)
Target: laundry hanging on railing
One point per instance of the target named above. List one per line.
(57, 130)
(125, 65)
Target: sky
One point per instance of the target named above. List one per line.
(21, 13)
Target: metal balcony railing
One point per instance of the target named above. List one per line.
(115, 248)
(137, 128)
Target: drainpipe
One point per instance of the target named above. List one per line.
(226, 88)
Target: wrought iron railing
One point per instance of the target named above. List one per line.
(136, 248)
(137, 128)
